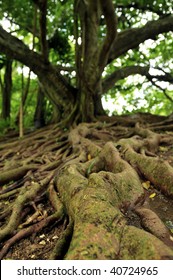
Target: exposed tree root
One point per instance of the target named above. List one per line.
(27, 194)
(63, 243)
(152, 223)
(91, 176)
(15, 174)
(157, 171)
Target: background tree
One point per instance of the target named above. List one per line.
(6, 87)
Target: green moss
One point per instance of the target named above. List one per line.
(137, 244)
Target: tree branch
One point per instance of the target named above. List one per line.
(111, 24)
(161, 78)
(163, 90)
(122, 73)
(130, 39)
(16, 49)
(43, 29)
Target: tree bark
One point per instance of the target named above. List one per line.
(6, 96)
(93, 54)
(39, 116)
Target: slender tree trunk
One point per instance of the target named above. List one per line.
(39, 116)
(21, 111)
(6, 93)
(24, 96)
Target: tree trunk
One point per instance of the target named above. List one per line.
(6, 93)
(39, 116)
(86, 106)
(90, 105)
(92, 54)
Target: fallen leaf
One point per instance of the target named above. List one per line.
(171, 237)
(55, 237)
(89, 157)
(42, 242)
(152, 195)
(146, 185)
(42, 235)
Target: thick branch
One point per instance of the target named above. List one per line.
(111, 24)
(154, 83)
(90, 25)
(130, 39)
(87, 55)
(16, 49)
(122, 73)
(43, 30)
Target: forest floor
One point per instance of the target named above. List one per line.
(29, 229)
